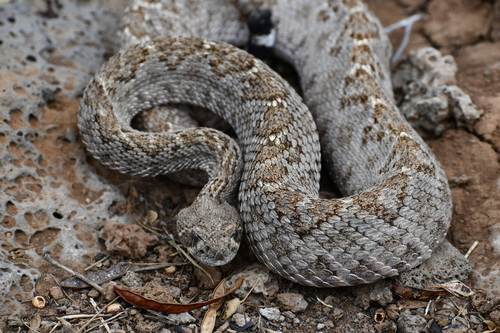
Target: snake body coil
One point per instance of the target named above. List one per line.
(397, 204)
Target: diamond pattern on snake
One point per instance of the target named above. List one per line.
(395, 207)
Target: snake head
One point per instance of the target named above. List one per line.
(210, 230)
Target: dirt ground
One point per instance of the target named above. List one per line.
(469, 30)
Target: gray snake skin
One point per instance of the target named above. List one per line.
(396, 207)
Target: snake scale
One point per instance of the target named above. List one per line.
(396, 204)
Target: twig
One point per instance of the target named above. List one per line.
(157, 266)
(472, 248)
(53, 328)
(96, 263)
(74, 315)
(95, 316)
(116, 316)
(96, 308)
(142, 225)
(62, 289)
(78, 275)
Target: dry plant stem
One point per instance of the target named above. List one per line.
(471, 249)
(95, 315)
(107, 321)
(78, 275)
(96, 263)
(155, 267)
(96, 308)
(62, 289)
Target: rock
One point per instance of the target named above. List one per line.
(409, 323)
(56, 293)
(379, 292)
(495, 316)
(10, 282)
(445, 265)
(239, 319)
(257, 277)
(127, 240)
(93, 293)
(51, 198)
(182, 318)
(131, 279)
(272, 314)
(431, 99)
(293, 302)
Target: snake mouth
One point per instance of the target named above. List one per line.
(212, 255)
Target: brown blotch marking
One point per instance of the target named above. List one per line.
(378, 112)
(278, 245)
(335, 50)
(349, 80)
(350, 3)
(295, 158)
(371, 161)
(404, 154)
(370, 204)
(353, 100)
(360, 35)
(380, 136)
(323, 16)
(366, 131)
(361, 54)
(333, 6)
(270, 174)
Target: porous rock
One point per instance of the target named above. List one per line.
(446, 264)
(51, 198)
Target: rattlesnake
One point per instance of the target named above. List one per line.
(397, 204)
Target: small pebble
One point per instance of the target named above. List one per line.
(170, 270)
(293, 302)
(182, 318)
(93, 293)
(115, 307)
(56, 292)
(270, 313)
(239, 319)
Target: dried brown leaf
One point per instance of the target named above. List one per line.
(208, 323)
(145, 303)
(416, 293)
(456, 288)
(98, 277)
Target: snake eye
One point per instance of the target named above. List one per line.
(234, 235)
(196, 238)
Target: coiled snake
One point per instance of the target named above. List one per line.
(396, 206)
